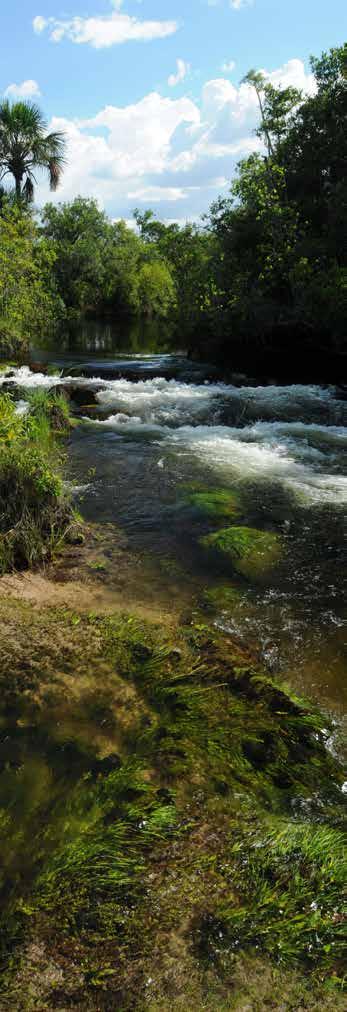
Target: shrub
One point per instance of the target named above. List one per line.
(34, 513)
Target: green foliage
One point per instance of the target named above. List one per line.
(290, 879)
(280, 241)
(215, 503)
(268, 269)
(223, 597)
(156, 289)
(25, 146)
(252, 553)
(28, 302)
(156, 801)
(33, 511)
(104, 267)
(50, 409)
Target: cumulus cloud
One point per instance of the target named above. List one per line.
(27, 89)
(104, 31)
(159, 151)
(182, 71)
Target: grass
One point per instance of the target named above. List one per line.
(34, 512)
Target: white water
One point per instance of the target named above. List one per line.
(263, 438)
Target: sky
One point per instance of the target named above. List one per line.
(149, 92)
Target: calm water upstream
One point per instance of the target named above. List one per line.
(158, 427)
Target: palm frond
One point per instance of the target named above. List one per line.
(55, 171)
(24, 146)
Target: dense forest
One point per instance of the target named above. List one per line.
(263, 275)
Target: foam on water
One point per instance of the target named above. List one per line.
(268, 451)
(263, 439)
(173, 403)
(24, 377)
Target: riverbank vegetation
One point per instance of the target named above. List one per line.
(35, 514)
(263, 278)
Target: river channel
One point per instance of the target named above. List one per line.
(159, 433)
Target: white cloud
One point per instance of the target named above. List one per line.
(146, 194)
(292, 74)
(162, 150)
(104, 31)
(238, 4)
(228, 66)
(27, 89)
(182, 71)
(39, 24)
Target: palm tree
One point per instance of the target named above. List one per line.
(25, 147)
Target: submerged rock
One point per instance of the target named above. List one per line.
(215, 502)
(252, 553)
(223, 597)
(81, 395)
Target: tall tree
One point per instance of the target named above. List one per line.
(25, 147)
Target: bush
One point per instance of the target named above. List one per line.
(34, 513)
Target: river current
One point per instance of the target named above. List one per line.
(158, 426)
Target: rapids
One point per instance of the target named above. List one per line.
(157, 427)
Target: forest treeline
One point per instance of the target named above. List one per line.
(264, 275)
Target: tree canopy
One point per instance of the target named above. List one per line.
(265, 269)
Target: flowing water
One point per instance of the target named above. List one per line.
(157, 427)
(153, 433)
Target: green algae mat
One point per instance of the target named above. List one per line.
(215, 503)
(252, 553)
(170, 823)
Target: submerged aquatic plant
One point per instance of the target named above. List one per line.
(252, 553)
(289, 877)
(215, 503)
(161, 821)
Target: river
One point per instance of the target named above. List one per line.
(163, 803)
(160, 433)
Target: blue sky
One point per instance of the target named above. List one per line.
(148, 91)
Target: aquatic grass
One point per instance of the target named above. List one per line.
(223, 597)
(252, 553)
(180, 823)
(214, 503)
(290, 880)
(106, 857)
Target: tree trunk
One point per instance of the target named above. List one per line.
(18, 181)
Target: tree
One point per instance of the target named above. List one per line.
(29, 304)
(280, 261)
(26, 147)
(156, 289)
(81, 235)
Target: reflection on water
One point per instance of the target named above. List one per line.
(108, 337)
